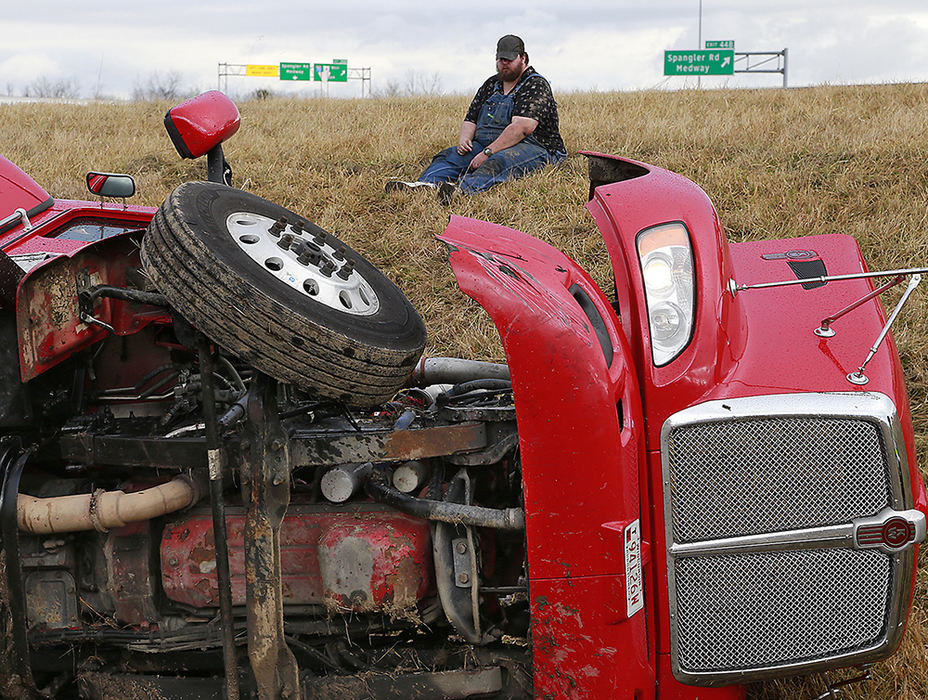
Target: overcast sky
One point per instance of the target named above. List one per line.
(110, 48)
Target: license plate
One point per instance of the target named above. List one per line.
(634, 584)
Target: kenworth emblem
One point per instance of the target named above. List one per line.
(791, 255)
(891, 531)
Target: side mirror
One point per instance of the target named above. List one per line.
(110, 184)
(201, 123)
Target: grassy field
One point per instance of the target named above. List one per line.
(776, 163)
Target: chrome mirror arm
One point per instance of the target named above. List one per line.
(859, 377)
(734, 287)
(825, 330)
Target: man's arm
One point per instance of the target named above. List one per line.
(518, 129)
(466, 138)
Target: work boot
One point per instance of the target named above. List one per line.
(446, 192)
(402, 185)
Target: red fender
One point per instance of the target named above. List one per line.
(581, 439)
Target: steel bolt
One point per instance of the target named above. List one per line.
(346, 270)
(173, 561)
(278, 226)
(285, 241)
(327, 268)
(297, 228)
(340, 253)
(306, 256)
(462, 548)
(463, 578)
(319, 236)
(277, 445)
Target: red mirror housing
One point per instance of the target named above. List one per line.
(201, 123)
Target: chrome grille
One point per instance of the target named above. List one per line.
(771, 608)
(759, 497)
(745, 477)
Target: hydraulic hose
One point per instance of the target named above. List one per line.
(455, 513)
(485, 385)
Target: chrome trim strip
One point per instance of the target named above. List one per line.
(834, 536)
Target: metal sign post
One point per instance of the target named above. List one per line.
(337, 71)
(754, 62)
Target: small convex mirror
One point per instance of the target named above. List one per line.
(111, 184)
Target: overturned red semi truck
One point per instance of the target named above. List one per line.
(228, 471)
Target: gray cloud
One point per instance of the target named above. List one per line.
(579, 45)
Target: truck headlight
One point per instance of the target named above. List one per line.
(666, 258)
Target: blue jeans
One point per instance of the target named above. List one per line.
(508, 164)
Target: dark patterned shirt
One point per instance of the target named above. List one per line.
(532, 99)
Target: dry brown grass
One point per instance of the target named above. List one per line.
(776, 163)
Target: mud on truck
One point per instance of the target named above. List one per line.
(227, 471)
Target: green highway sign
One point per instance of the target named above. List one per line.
(332, 72)
(340, 60)
(727, 44)
(296, 71)
(721, 62)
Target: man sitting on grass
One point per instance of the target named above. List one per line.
(510, 129)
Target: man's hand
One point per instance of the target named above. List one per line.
(518, 129)
(478, 160)
(466, 138)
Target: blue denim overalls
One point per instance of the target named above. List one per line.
(508, 164)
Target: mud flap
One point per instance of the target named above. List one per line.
(581, 439)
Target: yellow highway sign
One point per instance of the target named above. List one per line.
(260, 71)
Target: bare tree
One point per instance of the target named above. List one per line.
(390, 89)
(158, 86)
(417, 83)
(260, 94)
(65, 88)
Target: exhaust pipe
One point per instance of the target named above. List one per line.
(103, 510)
(453, 370)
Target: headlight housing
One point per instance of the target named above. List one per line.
(666, 258)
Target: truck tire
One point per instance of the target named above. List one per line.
(282, 294)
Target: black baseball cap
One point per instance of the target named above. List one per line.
(509, 47)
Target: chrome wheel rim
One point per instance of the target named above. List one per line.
(305, 261)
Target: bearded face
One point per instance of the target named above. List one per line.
(509, 71)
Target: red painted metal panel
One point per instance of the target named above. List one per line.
(48, 321)
(583, 645)
(43, 238)
(362, 560)
(622, 210)
(669, 688)
(580, 436)
(18, 190)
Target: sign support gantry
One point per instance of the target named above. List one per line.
(337, 71)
